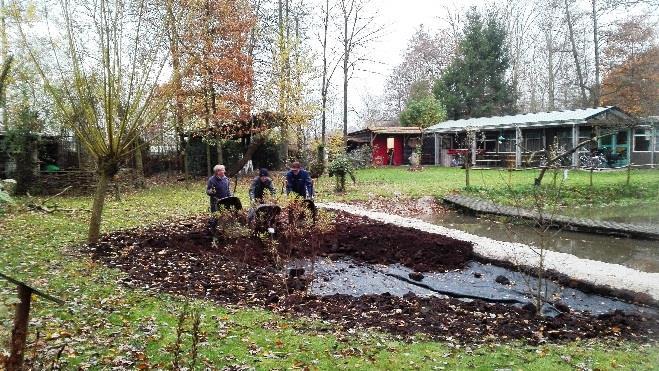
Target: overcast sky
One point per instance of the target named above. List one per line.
(401, 19)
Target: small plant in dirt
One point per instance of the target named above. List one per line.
(189, 316)
(341, 167)
(547, 201)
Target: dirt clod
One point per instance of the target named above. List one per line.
(416, 276)
(502, 280)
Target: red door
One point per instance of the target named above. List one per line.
(380, 150)
(398, 150)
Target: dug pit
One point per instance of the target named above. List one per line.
(366, 274)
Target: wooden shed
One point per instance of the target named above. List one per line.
(391, 145)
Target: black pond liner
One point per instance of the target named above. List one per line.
(475, 281)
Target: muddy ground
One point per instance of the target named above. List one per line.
(182, 257)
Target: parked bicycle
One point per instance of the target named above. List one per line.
(457, 160)
(593, 160)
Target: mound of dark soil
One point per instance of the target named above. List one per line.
(181, 257)
(373, 242)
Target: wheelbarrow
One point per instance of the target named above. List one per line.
(264, 218)
(229, 203)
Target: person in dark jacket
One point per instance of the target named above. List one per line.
(299, 181)
(217, 186)
(259, 185)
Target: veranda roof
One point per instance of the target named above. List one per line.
(539, 119)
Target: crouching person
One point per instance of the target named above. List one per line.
(298, 182)
(257, 191)
(217, 188)
(259, 185)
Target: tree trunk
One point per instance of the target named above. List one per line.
(596, 88)
(78, 152)
(251, 149)
(466, 175)
(97, 206)
(582, 87)
(284, 74)
(176, 76)
(186, 149)
(139, 166)
(629, 172)
(4, 55)
(218, 147)
(209, 168)
(325, 84)
(467, 162)
(346, 51)
(551, 95)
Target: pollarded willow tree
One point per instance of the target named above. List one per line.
(103, 74)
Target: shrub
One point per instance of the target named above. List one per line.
(361, 157)
(341, 166)
(5, 199)
(317, 164)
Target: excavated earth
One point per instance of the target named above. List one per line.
(181, 257)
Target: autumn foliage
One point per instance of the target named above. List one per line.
(217, 74)
(634, 85)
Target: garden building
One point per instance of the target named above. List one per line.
(393, 145)
(524, 140)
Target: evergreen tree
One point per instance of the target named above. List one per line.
(474, 84)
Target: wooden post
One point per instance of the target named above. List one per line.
(438, 148)
(21, 320)
(518, 147)
(575, 142)
(19, 333)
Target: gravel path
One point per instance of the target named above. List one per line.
(591, 271)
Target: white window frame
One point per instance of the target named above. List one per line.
(634, 135)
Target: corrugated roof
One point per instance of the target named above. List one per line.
(524, 120)
(389, 130)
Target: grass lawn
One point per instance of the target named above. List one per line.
(105, 324)
(507, 187)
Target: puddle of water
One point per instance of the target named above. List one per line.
(638, 254)
(349, 278)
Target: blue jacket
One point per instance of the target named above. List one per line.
(217, 188)
(300, 183)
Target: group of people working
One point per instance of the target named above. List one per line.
(298, 182)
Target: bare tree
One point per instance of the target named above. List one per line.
(360, 28)
(424, 59)
(329, 67)
(575, 54)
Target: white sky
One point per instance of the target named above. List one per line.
(401, 18)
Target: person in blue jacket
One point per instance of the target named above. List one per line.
(217, 186)
(299, 181)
